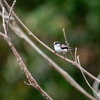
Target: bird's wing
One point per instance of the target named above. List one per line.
(64, 46)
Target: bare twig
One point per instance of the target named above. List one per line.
(67, 43)
(10, 12)
(3, 20)
(78, 61)
(23, 67)
(65, 37)
(76, 54)
(86, 79)
(7, 17)
(31, 80)
(27, 83)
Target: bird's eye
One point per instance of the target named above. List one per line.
(56, 43)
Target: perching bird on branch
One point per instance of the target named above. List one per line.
(61, 48)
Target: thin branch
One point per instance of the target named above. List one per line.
(3, 20)
(76, 54)
(65, 37)
(86, 79)
(6, 16)
(67, 43)
(27, 83)
(31, 80)
(10, 12)
(23, 67)
(78, 61)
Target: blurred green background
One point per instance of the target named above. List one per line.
(46, 19)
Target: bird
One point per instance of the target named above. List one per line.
(61, 48)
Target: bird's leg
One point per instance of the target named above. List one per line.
(64, 55)
(55, 52)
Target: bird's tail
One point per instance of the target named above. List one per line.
(77, 49)
(70, 48)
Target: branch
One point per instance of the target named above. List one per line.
(65, 37)
(86, 79)
(10, 12)
(6, 16)
(76, 54)
(3, 20)
(23, 67)
(67, 43)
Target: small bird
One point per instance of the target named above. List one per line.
(61, 48)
